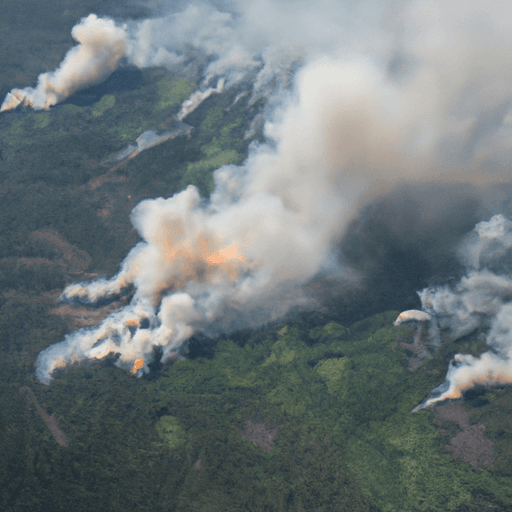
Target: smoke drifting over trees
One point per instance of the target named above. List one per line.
(360, 98)
(481, 298)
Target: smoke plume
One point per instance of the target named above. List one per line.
(360, 97)
(101, 47)
(482, 298)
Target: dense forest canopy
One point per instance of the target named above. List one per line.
(294, 397)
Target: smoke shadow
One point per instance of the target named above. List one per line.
(200, 345)
(156, 365)
(476, 396)
(400, 243)
(121, 80)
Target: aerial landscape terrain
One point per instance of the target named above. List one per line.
(255, 256)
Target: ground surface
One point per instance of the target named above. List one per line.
(305, 414)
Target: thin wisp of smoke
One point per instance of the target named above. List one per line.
(360, 97)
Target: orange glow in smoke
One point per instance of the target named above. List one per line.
(132, 323)
(229, 253)
(139, 363)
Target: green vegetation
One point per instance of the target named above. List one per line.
(332, 403)
(221, 144)
(348, 386)
(42, 120)
(334, 372)
(172, 92)
(301, 415)
(73, 110)
(12, 135)
(200, 173)
(106, 102)
(399, 464)
(170, 431)
(119, 117)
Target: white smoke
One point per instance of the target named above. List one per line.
(196, 98)
(101, 47)
(361, 97)
(199, 39)
(412, 315)
(150, 139)
(481, 298)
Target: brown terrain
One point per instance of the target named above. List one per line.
(67, 258)
(466, 442)
(417, 350)
(72, 261)
(82, 316)
(260, 434)
(50, 420)
(67, 255)
(109, 176)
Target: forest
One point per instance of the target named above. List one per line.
(308, 413)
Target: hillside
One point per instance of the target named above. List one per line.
(308, 412)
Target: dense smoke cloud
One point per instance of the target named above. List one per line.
(482, 298)
(361, 97)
